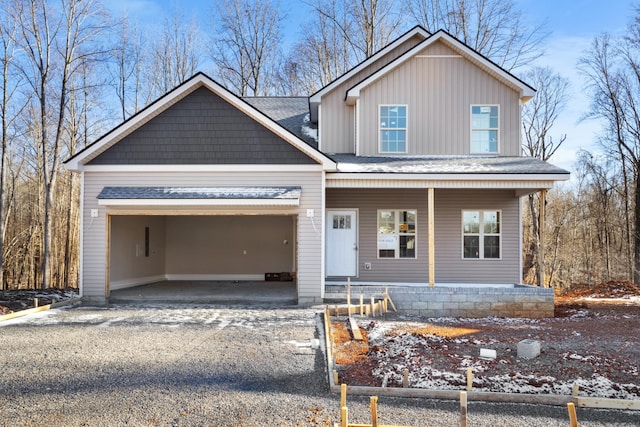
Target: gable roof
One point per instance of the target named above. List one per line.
(199, 80)
(526, 92)
(315, 99)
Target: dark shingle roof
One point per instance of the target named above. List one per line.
(444, 165)
(254, 193)
(291, 112)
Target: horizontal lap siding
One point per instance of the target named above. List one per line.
(450, 267)
(309, 243)
(368, 201)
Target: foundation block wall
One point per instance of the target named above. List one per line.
(441, 301)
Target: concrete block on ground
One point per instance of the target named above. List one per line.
(528, 349)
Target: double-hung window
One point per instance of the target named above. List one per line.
(481, 234)
(396, 233)
(393, 129)
(484, 128)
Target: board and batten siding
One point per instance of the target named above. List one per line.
(450, 267)
(309, 241)
(336, 126)
(438, 86)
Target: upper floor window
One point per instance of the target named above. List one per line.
(481, 234)
(484, 128)
(393, 128)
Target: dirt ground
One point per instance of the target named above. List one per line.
(592, 341)
(22, 299)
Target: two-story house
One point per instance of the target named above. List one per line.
(405, 172)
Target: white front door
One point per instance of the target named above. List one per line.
(342, 243)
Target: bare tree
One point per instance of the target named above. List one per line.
(56, 41)
(494, 28)
(126, 69)
(175, 56)
(538, 118)
(613, 70)
(246, 47)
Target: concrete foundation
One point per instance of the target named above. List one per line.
(456, 301)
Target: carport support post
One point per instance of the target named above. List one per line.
(432, 244)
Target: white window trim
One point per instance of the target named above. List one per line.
(481, 234)
(406, 130)
(397, 233)
(471, 129)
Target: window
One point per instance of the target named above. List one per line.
(484, 128)
(481, 234)
(393, 128)
(396, 234)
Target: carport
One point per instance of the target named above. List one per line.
(201, 244)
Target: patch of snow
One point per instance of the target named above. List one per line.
(307, 130)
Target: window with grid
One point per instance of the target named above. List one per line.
(393, 129)
(484, 128)
(396, 233)
(481, 234)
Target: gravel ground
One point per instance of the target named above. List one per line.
(205, 366)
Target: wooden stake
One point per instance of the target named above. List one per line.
(344, 417)
(35, 302)
(463, 409)
(573, 418)
(575, 390)
(343, 395)
(387, 296)
(335, 377)
(361, 305)
(405, 379)
(348, 296)
(373, 308)
(469, 379)
(374, 411)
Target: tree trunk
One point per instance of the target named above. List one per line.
(636, 231)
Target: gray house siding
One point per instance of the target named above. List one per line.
(438, 86)
(95, 231)
(202, 128)
(336, 117)
(450, 267)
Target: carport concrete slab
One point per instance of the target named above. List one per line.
(209, 292)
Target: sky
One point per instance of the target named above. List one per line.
(572, 26)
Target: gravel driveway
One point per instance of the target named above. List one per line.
(192, 365)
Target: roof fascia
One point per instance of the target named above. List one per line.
(355, 176)
(78, 161)
(315, 99)
(526, 92)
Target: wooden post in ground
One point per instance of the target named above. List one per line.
(575, 390)
(573, 418)
(373, 308)
(463, 409)
(348, 296)
(469, 379)
(405, 378)
(374, 411)
(361, 305)
(35, 302)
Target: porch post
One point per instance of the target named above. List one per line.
(432, 245)
(541, 222)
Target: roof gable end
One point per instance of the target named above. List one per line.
(526, 92)
(92, 152)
